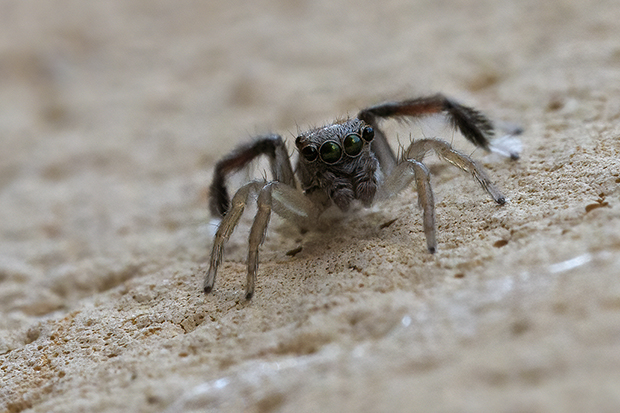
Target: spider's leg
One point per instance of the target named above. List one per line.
(257, 236)
(419, 148)
(471, 123)
(271, 145)
(285, 201)
(226, 228)
(399, 179)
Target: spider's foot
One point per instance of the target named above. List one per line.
(249, 289)
(209, 281)
(508, 146)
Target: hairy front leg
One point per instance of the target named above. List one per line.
(280, 198)
(257, 237)
(226, 228)
(285, 201)
(400, 178)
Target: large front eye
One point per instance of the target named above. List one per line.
(309, 153)
(330, 152)
(352, 144)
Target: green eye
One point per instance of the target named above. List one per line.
(352, 144)
(310, 153)
(330, 152)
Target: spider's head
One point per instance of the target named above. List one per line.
(337, 159)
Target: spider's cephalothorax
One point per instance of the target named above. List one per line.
(336, 161)
(340, 163)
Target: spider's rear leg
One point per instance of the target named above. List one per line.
(271, 145)
(470, 122)
(418, 149)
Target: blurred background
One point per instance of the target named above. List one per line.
(105, 97)
(113, 113)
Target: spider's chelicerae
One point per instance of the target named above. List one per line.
(349, 160)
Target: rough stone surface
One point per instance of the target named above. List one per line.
(112, 115)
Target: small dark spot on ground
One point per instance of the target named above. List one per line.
(598, 204)
(294, 251)
(519, 327)
(500, 243)
(270, 403)
(388, 223)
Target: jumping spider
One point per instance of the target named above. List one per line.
(339, 163)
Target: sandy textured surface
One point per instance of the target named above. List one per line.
(112, 115)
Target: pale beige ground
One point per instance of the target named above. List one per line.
(112, 114)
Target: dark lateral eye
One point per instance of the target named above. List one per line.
(368, 133)
(309, 153)
(352, 144)
(330, 152)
